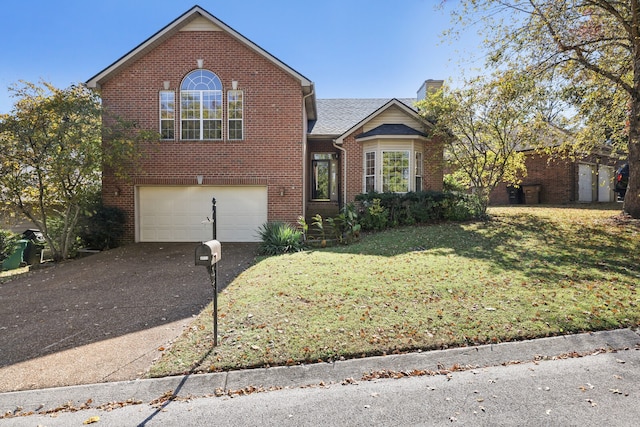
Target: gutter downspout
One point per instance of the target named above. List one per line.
(305, 123)
(344, 174)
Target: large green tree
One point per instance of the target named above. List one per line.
(592, 49)
(485, 126)
(52, 156)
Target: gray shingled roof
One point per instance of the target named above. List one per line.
(392, 129)
(336, 116)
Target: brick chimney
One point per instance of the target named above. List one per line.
(429, 86)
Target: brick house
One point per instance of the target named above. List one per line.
(557, 180)
(239, 125)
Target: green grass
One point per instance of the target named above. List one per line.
(526, 273)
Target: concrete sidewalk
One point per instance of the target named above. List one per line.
(201, 385)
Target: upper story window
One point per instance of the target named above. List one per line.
(167, 114)
(201, 106)
(235, 107)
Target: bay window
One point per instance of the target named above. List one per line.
(392, 166)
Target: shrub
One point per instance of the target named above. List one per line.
(380, 210)
(102, 227)
(345, 225)
(374, 216)
(279, 238)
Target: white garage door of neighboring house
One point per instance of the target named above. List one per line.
(605, 183)
(585, 183)
(179, 214)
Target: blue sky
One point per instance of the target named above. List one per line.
(348, 48)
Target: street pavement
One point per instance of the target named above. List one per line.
(581, 380)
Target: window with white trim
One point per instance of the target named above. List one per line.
(167, 115)
(201, 106)
(419, 168)
(392, 165)
(235, 105)
(369, 171)
(395, 171)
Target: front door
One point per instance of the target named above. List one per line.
(324, 177)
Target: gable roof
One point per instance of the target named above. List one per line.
(337, 116)
(194, 16)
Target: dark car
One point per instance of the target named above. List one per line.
(622, 180)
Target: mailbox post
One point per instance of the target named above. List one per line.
(208, 254)
(214, 216)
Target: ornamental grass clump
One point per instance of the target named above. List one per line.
(279, 238)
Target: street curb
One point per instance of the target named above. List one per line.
(147, 390)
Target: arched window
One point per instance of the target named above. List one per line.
(201, 106)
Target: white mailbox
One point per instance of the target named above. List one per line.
(208, 253)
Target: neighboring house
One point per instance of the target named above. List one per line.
(556, 180)
(239, 125)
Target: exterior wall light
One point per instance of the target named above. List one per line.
(200, 63)
(234, 84)
(199, 178)
(166, 84)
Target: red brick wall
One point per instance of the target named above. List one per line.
(354, 172)
(433, 165)
(557, 178)
(271, 153)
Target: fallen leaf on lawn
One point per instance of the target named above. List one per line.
(160, 348)
(587, 387)
(91, 420)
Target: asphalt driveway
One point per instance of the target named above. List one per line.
(87, 320)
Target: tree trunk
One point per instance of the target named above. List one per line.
(632, 197)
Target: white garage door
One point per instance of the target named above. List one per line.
(181, 214)
(605, 183)
(585, 183)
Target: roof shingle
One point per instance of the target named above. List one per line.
(336, 116)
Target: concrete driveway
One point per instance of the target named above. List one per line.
(105, 317)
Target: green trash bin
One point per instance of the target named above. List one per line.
(16, 258)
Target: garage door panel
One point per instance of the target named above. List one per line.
(171, 214)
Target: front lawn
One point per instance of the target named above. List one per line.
(528, 272)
